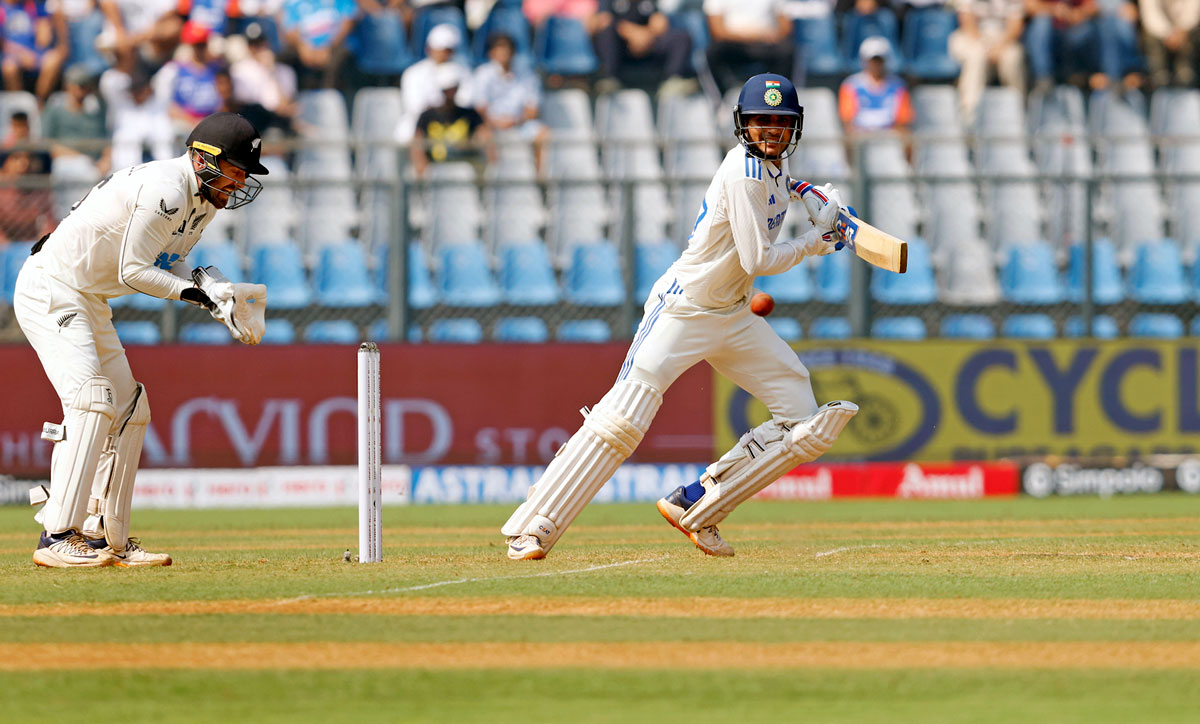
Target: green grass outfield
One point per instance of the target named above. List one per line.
(1062, 610)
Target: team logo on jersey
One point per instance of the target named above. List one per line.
(773, 97)
(166, 261)
(163, 211)
(254, 143)
(197, 220)
(65, 319)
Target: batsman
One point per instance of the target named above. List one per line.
(699, 310)
(130, 234)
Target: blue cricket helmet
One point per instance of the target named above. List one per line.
(768, 94)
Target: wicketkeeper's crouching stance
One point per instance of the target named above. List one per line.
(129, 234)
(699, 310)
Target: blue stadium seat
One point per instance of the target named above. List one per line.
(139, 301)
(817, 39)
(904, 328)
(221, 254)
(281, 268)
(1030, 275)
(464, 279)
(456, 331)
(278, 331)
(915, 286)
(521, 329)
(1107, 287)
(205, 333)
(563, 47)
(791, 287)
(12, 258)
(422, 294)
(968, 326)
(526, 276)
(650, 262)
(508, 20)
(1103, 327)
(830, 328)
(341, 276)
(787, 328)
(378, 332)
(332, 331)
(138, 332)
(1161, 326)
(429, 17)
(382, 44)
(1029, 326)
(926, 35)
(856, 28)
(594, 275)
(584, 330)
(833, 277)
(1158, 275)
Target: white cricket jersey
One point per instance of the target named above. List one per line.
(132, 232)
(734, 239)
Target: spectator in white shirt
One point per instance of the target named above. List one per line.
(138, 117)
(988, 36)
(1171, 37)
(747, 37)
(419, 86)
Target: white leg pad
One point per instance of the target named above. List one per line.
(761, 457)
(611, 432)
(112, 488)
(76, 456)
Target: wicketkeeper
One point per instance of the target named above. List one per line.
(130, 234)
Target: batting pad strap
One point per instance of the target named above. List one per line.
(741, 473)
(610, 433)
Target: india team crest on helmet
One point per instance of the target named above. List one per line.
(772, 97)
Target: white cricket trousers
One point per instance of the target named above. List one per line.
(73, 336)
(675, 334)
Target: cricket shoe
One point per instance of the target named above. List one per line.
(68, 550)
(707, 539)
(134, 554)
(525, 548)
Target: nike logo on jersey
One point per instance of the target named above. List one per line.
(163, 211)
(166, 261)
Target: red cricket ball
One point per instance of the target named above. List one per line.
(762, 304)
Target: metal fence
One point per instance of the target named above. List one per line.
(396, 221)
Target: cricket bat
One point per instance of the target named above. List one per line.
(870, 244)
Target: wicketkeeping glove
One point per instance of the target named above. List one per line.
(240, 307)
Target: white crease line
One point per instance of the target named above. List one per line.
(835, 551)
(457, 581)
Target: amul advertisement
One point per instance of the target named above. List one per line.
(946, 400)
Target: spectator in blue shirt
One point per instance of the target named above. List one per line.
(191, 81)
(509, 100)
(31, 58)
(314, 32)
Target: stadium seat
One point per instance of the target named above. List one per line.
(915, 286)
(465, 279)
(968, 326)
(926, 35)
(12, 258)
(526, 276)
(584, 330)
(1161, 326)
(593, 277)
(816, 39)
(138, 332)
(521, 329)
(791, 287)
(332, 331)
(379, 332)
(325, 110)
(1107, 286)
(341, 276)
(279, 331)
(833, 277)
(1158, 275)
(205, 333)
(138, 301)
(968, 276)
(830, 328)
(510, 21)
(221, 254)
(563, 47)
(1030, 275)
(422, 294)
(901, 328)
(856, 28)
(281, 268)
(456, 331)
(651, 261)
(13, 101)
(1029, 326)
(382, 44)
(935, 108)
(430, 16)
(788, 328)
(1103, 327)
